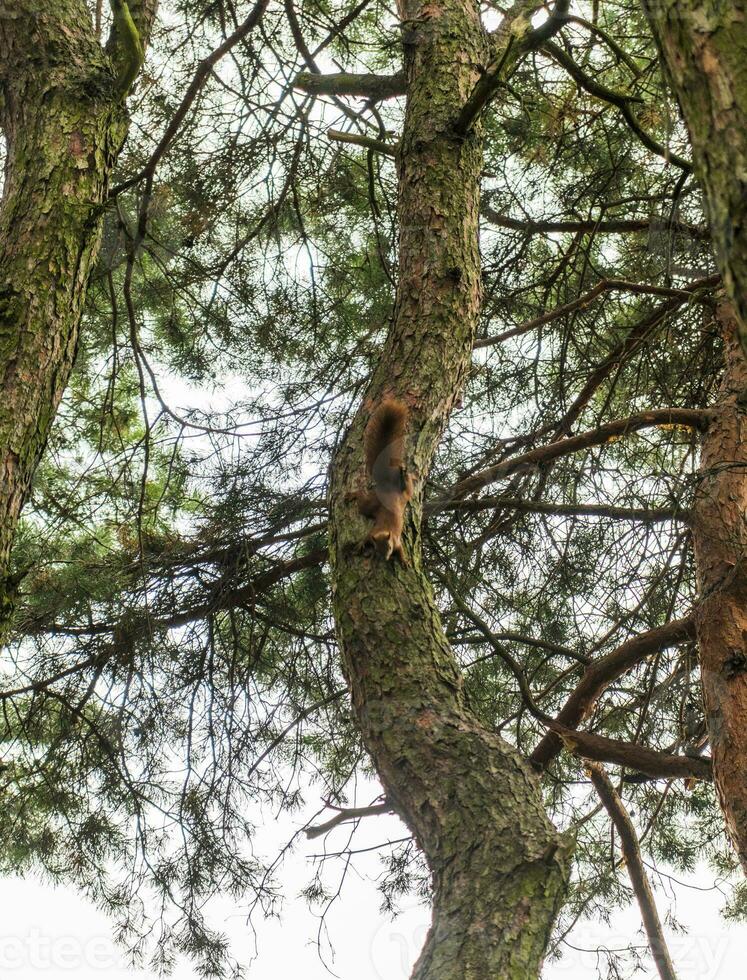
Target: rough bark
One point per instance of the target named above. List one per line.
(720, 538)
(704, 49)
(64, 120)
(499, 866)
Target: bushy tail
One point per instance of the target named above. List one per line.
(384, 438)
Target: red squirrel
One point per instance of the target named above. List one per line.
(393, 485)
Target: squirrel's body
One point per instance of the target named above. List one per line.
(392, 485)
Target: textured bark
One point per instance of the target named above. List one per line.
(499, 867)
(704, 48)
(63, 117)
(720, 537)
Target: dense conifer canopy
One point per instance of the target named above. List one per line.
(174, 661)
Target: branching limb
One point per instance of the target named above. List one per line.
(658, 765)
(513, 665)
(514, 38)
(686, 294)
(622, 102)
(620, 53)
(599, 675)
(194, 88)
(634, 863)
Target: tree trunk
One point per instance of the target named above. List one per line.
(704, 48)
(499, 866)
(720, 537)
(62, 113)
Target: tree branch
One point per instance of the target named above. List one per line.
(691, 418)
(204, 69)
(647, 515)
(622, 102)
(513, 39)
(658, 765)
(365, 141)
(609, 225)
(599, 675)
(365, 86)
(686, 293)
(126, 47)
(354, 813)
(632, 854)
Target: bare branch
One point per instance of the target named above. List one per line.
(203, 72)
(606, 225)
(365, 141)
(646, 515)
(691, 418)
(353, 813)
(632, 853)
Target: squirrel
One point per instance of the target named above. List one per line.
(393, 485)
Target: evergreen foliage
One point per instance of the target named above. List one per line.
(173, 659)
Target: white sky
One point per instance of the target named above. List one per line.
(51, 933)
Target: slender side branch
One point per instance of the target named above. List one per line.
(194, 88)
(691, 418)
(645, 515)
(632, 853)
(622, 102)
(615, 226)
(687, 293)
(366, 141)
(353, 813)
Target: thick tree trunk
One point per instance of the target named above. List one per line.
(63, 117)
(499, 867)
(720, 536)
(704, 48)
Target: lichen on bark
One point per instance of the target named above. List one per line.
(64, 122)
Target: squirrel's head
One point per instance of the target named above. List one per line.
(383, 543)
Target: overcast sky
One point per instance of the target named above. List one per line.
(53, 933)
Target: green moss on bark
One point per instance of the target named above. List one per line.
(65, 125)
(499, 867)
